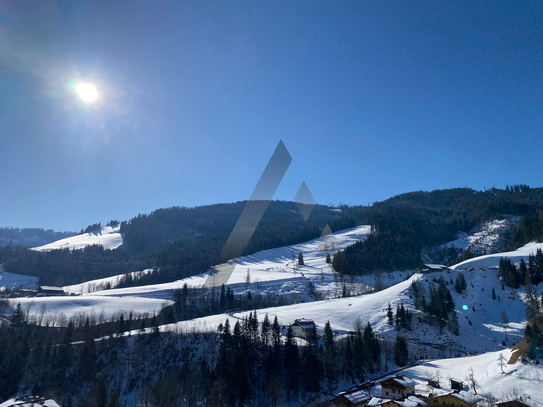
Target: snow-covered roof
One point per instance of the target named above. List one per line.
(460, 395)
(304, 322)
(357, 396)
(50, 288)
(467, 397)
(402, 381)
(377, 401)
(412, 401)
(436, 266)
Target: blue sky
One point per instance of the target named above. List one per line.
(371, 98)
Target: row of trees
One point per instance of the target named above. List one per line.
(250, 361)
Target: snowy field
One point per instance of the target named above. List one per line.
(272, 272)
(109, 237)
(13, 402)
(57, 310)
(12, 281)
(101, 284)
(481, 328)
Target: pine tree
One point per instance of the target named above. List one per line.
(493, 293)
(328, 258)
(460, 284)
(401, 354)
(300, 259)
(265, 330)
(390, 315)
(328, 337)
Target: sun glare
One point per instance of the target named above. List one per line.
(86, 92)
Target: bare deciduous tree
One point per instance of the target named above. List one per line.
(501, 361)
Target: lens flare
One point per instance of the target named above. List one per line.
(465, 307)
(86, 92)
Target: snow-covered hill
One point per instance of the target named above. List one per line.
(486, 238)
(493, 260)
(102, 283)
(12, 281)
(109, 237)
(272, 272)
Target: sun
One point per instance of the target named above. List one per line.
(86, 92)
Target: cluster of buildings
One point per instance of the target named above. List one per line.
(42, 291)
(399, 391)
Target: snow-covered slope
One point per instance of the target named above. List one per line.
(272, 272)
(524, 379)
(29, 403)
(480, 322)
(102, 283)
(13, 281)
(109, 237)
(493, 260)
(486, 238)
(59, 309)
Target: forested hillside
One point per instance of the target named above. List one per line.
(181, 241)
(186, 241)
(405, 224)
(30, 237)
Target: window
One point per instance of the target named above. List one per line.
(393, 391)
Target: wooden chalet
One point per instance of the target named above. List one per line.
(397, 387)
(48, 291)
(358, 398)
(429, 268)
(302, 327)
(455, 399)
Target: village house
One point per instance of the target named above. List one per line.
(358, 398)
(48, 291)
(455, 399)
(302, 327)
(397, 387)
(429, 268)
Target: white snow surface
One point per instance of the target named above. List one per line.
(484, 238)
(13, 281)
(102, 307)
(273, 272)
(109, 237)
(481, 329)
(526, 378)
(493, 260)
(101, 284)
(13, 402)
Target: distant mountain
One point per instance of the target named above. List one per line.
(31, 237)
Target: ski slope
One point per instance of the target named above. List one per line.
(109, 237)
(481, 328)
(272, 272)
(493, 260)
